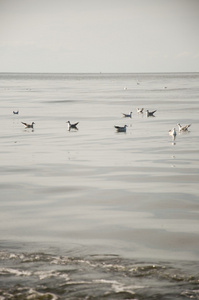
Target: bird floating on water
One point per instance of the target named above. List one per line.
(120, 128)
(72, 126)
(150, 113)
(15, 112)
(140, 110)
(183, 128)
(173, 133)
(28, 125)
(128, 115)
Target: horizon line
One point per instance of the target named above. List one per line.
(98, 73)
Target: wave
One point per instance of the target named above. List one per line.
(48, 276)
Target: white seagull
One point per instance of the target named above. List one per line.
(140, 110)
(28, 125)
(173, 133)
(150, 113)
(183, 128)
(128, 115)
(120, 128)
(72, 126)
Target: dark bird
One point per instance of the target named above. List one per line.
(72, 126)
(128, 115)
(150, 113)
(28, 125)
(15, 112)
(120, 128)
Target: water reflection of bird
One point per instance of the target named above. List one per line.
(74, 126)
(28, 125)
(183, 128)
(121, 129)
(150, 113)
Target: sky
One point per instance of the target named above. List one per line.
(91, 36)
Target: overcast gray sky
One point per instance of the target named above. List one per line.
(99, 36)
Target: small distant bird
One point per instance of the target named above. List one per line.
(183, 128)
(28, 125)
(74, 126)
(140, 110)
(173, 133)
(120, 128)
(15, 112)
(150, 113)
(128, 115)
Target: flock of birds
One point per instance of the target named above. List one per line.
(184, 128)
(172, 132)
(70, 126)
(139, 110)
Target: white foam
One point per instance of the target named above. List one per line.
(10, 271)
(32, 294)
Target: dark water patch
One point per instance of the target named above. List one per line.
(151, 177)
(13, 170)
(40, 275)
(50, 170)
(62, 190)
(61, 101)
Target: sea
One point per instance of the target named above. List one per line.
(92, 213)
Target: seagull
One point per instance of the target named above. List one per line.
(140, 110)
(28, 125)
(74, 126)
(150, 113)
(173, 133)
(121, 129)
(183, 128)
(128, 115)
(15, 112)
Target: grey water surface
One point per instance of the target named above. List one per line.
(92, 213)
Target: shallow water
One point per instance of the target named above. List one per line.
(41, 275)
(92, 213)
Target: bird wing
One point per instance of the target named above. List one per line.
(184, 128)
(188, 125)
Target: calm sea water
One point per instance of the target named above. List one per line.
(92, 213)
